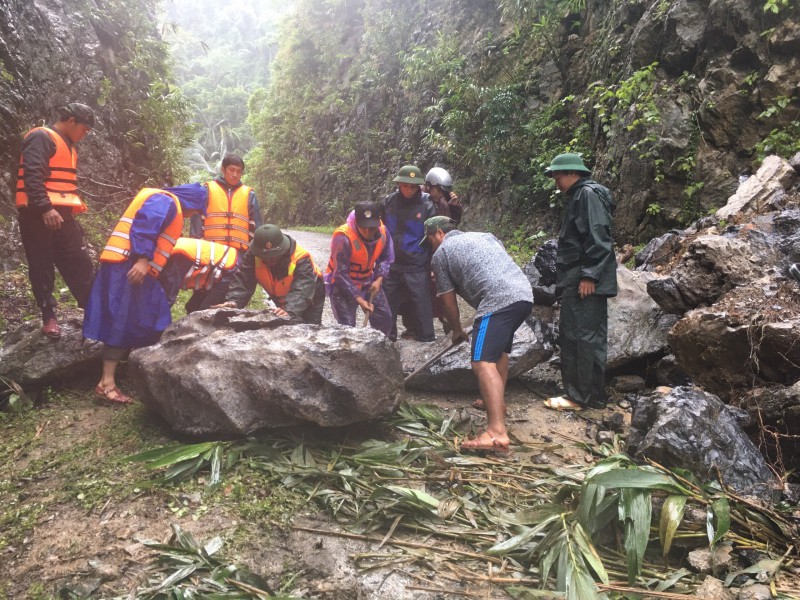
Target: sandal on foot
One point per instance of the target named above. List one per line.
(478, 405)
(480, 443)
(112, 395)
(562, 404)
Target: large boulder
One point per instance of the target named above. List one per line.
(766, 190)
(711, 266)
(230, 373)
(637, 326)
(729, 351)
(34, 361)
(692, 429)
(534, 343)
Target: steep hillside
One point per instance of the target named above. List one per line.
(108, 55)
(672, 101)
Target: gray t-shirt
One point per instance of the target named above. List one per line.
(480, 270)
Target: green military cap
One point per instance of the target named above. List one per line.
(409, 174)
(269, 241)
(567, 162)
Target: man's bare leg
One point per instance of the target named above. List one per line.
(492, 386)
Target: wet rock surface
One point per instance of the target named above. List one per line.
(230, 373)
(694, 430)
(34, 361)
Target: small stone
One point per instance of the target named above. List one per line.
(614, 421)
(604, 437)
(624, 404)
(628, 383)
(755, 591)
(703, 560)
(713, 589)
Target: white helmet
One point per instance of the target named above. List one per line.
(439, 176)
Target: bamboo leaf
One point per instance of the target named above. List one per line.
(589, 552)
(672, 580)
(216, 465)
(635, 511)
(166, 455)
(671, 517)
(637, 478)
(523, 538)
(719, 513)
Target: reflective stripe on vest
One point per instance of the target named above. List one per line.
(118, 246)
(279, 288)
(209, 260)
(361, 263)
(62, 183)
(227, 219)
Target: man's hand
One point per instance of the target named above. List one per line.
(459, 335)
(52, 219)
(453, 199)
(375, 287)
(225, 305)
(585, 288)
(365, 304)
(280, 312)
(138, 272)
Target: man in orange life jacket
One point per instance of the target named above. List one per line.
(231, 217)
(285, 270)
(361, 254)
(195, 265)
(47, 200)
(129, 306)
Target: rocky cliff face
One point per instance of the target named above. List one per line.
(107, 55)
(719, 64)
(679, 97)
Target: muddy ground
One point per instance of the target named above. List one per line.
(74, 515)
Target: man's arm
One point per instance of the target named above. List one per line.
(254, 212)
(594, 225)
(304, 286)
(244, 282)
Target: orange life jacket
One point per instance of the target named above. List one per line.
(227, 219)
(210, 260)
(361, 263)
(118, 246)
(62, 183)
(279, 288)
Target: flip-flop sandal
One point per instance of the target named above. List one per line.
(562, 404)
(492, 446)
(113, 394)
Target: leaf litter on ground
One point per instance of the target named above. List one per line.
(538, 527)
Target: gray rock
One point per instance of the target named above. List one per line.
(34, 361)
(764, 191)
(627, 383)
(694, 430)
(755, 591)
(669, 372)
(230, 373)
(637, 326)
(708, 560)
(711, 266)
(723, 352)
(534, 343)
(713, 589)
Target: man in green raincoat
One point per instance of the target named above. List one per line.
(586, 276)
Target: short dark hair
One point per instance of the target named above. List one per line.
(232, 159)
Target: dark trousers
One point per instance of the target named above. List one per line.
(62, 249)
(412, 290)
(583, 337)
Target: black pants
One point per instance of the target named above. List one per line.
(412, 290)
(583, 337)
(47, 250)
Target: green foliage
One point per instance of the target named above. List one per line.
(775, 6)
(144, 109)
(218, 68)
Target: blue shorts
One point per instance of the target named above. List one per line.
(493, 334)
